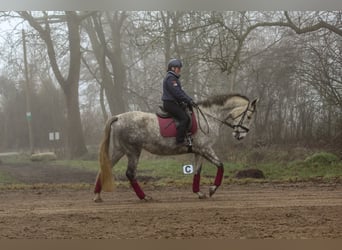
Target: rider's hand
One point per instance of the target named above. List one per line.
(194, 104)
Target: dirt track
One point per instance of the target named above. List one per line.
(257, 211)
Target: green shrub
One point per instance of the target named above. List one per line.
(321, 158)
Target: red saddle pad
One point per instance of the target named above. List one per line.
(168, 128)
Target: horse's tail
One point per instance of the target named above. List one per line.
(105, 163)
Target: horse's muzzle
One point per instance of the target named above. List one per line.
(239, 135)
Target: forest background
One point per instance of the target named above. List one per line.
(68, 71)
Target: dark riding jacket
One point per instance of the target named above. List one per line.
(172, 89)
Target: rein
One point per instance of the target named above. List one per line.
(199, 121)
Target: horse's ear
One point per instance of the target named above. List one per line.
(254, 103)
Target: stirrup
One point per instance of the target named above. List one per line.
(188, 138)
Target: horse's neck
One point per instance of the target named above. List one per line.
(214, 112)
(216, 115)
(220, 113)
(212, 115)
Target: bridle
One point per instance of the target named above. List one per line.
(225, 122)
(240, 124)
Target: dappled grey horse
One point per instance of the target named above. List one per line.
(134, 131)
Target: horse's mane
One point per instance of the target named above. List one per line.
(219, 99)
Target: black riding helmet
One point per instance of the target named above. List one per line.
(174, 63)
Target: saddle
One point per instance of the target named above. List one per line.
(168, 124)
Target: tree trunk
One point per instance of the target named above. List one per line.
(118, 66)
(76, 141)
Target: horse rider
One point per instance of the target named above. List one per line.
(174, 99)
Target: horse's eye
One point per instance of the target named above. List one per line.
(249, 117)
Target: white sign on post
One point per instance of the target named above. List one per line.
(54, 136)
(188, 169)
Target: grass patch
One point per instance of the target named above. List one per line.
(6, 179)
(15, 158)
(324, 166)
(88, 165)
(163, 168)
(167, 171)
(307, 170)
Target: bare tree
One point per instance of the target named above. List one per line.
(105, 33)
(69, 83)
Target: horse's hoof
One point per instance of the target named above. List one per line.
(97, 198)
(147, 198)
(212, 190)
(201, 195)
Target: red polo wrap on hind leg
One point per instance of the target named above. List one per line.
(196, 183)
(219, 176)
(98, 186)
(135, 185)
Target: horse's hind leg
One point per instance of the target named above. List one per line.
(197, 177)
(131, 175)
(117, 155)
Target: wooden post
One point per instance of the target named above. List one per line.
(28, 98)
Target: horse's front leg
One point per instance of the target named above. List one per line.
(197, 177)
(209, 154)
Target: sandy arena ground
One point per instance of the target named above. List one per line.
(253, 211)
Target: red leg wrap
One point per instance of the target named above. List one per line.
(98, 186)
(196, 183)
(137, 189)
(219, 176)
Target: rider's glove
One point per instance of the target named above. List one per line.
(194, 104)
